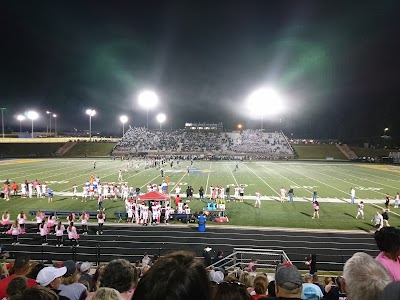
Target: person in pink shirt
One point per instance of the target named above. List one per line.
(388, 241)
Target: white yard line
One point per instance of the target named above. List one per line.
(297, 184)
(263, 180)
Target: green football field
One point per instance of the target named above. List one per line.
(332, 181)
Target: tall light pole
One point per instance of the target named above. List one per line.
(20, 118)
(123, 120)
(91, 113)
(33, 115)
(148, 99)
(2, 120)
(161, 118)
(49, 113)
(55, 124)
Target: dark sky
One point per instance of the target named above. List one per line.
(334, 63)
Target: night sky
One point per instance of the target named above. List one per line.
(335, 64)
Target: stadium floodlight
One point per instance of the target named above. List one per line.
(55, 124)
(161, 118)
(49, 113)
(32, 115)
(148, 100)
(20, 118)
(2, 120)
(239, 126)
(123, 120)
(264, 101)
(91, 113)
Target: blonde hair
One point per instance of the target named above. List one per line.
(105, 293)
(247, 279)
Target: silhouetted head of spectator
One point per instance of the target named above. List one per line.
(119, 274)
(175, 276)
(388, 240)
(231, 290)
(16, 286)
(21, 265)
(38, 293)
(392, 291)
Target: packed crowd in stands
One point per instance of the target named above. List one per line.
(180, 275)
(139, 139)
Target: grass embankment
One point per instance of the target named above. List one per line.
(92, 149)
(318, 152)
(29, 149)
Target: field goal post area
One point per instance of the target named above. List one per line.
(240, 258)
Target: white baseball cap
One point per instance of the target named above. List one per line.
(48, 274)
(85, 266)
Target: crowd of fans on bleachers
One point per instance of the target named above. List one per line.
(180, 275)
(140, 139)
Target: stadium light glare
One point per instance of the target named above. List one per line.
(123, 120)
(91, 113)
(20, 118)
(32, 115)
(264, 101)
(55, 124)
(161, 118)
(148, 100)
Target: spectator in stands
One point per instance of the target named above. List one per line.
(176, 276)
(312, 263)
(97, 276)
(85, 270)
(315, 280)
(119, 274)
(34, 270)
(388, 241)
(252, 265)
(233, 290)
(50, 278)
(106, 293)
(271, 289)
(260, 286)
(247, 279)
(39, 293)
(391, 291)
(70, 287)
(146, 259)
(288, 282)
(364, 278)
(16, 286)
(310, 290)
(21, 268)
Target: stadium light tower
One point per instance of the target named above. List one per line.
(20, 118)
(123, 120)
(49, 113)
(264, 101)
(2, 120)
(91, 113)
(161, 119)
(148, 100)
(55, 125)
(32, 115)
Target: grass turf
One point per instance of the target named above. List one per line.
(331, 180)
